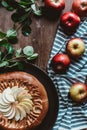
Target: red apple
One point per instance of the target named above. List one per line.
(69, 22)
(55, 5)
(60, 63)
(80, 7)
(78, 92)
(75, 47)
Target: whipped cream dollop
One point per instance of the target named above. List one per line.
(15, 103)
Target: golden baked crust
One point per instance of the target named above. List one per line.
(39, 98)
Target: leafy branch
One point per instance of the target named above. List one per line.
(22, 12)
(11, 57)
(9, 37)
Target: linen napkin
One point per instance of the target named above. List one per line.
(70, 115)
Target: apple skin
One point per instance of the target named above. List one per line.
(75, 47)
(69, 21)
(78, 92)
(80, 7)
(55, 5)
(60, 63)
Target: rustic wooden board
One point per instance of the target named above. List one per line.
(42, 36)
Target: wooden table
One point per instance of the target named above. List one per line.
(42, 36)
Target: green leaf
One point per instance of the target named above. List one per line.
(20, 66)
(12, 65)
(4, 64)
(18, 17)
(28, 50)
(9, 8)
(13, 40)
(12, 3)
(1, 39)
(28, 22)
(2, 34)
(33, 1)
(4, 3)
(33, 6)
(8, 47)
(15, 17)
(28, 1)
(18, 52)
(34, 56)
(26, 30)
(23, 3)
(0, 55)
(11, 33)
(36, 10)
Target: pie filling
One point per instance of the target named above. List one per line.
(20, 103)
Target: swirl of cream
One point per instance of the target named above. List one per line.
(15, 103)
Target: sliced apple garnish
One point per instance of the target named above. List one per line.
(5, 109)
(12, 114)
(25, 107)
(9, 113)
(14, 91)
(21, 96)
(7, 96)
(2, 103)
(22, 111)
(15, 103)
(17, 115)
(27, 100)
(18, 92)
(28, 104)
(5, 101)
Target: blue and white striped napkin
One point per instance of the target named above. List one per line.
(70, 116)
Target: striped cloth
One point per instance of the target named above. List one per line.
(70, 116)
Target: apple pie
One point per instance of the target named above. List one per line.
(23, 101)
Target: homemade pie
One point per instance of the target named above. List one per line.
(23, 101)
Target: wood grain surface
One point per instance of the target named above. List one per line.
(42, 36)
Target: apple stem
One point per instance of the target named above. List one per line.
(56, 1)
